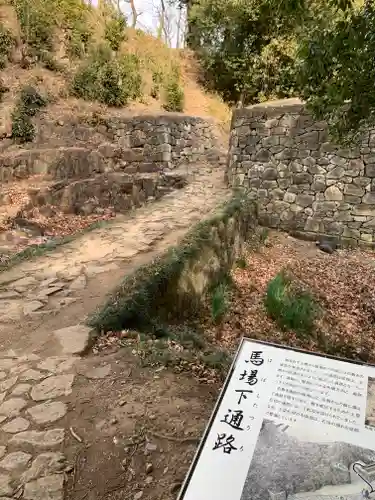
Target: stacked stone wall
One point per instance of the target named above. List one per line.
(302, 182)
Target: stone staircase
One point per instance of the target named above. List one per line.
(84, 167)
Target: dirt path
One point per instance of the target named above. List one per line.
(44, 393)
(61, 288)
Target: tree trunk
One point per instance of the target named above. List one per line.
(134, 13)
(179, 27)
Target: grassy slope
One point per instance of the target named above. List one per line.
(152, 53)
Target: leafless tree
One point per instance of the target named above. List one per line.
(135, 13)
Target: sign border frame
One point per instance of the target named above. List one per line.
(244, 339)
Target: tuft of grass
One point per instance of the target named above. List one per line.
(219, 303)
(263, 235)
(175, 353)
(217, 359)
(290, 307)
(28, 104)
(109, 79)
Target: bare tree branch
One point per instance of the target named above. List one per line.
(135, 13)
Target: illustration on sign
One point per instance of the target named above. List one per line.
(289, 425)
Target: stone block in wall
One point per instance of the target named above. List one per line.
(354, 190)
(369, 198)
(364, 210)
(366, 237)
(333, 227)
(313, 225)
(369, 159)
(354, 200)
(351, 233)
(287, 154)
(310, 139)
(328, 147)
(270, 174)
(263, 155)
(336, 173)
(302, 178)
(370, 170)
(280, 131)
(304, 200)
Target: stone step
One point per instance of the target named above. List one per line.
(55, 163)
(119, 190)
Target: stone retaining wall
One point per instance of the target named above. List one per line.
(302, 182)
(132, 144)
(167, 140)
(176, 283)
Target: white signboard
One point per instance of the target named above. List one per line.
(289, 425)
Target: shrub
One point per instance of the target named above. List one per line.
(115, 31)
(174, 96)
(28, 104)
(30, 100)
(291, 307)
(241, 263)
(36, 23)
(3, 89)
(111, 80)
(157, 80)
(49, 62)
(78, 40)
(6, 44)
(219, 303)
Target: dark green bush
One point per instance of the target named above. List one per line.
(174, 96)
(3, 89)
(6, 44)
(30, 100)
(289, 306)
(28, 104)
(111, 80)
(115, 31)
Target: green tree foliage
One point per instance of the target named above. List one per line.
(7, 42)
(111, 79)
(40, 18)
(174, 95)
(336, 70)
(248, 48)
(115, 30)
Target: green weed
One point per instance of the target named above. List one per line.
(28, 104)
(291, 308)
(219, 303)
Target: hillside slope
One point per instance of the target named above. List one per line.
(156, 61)
(65, 70)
